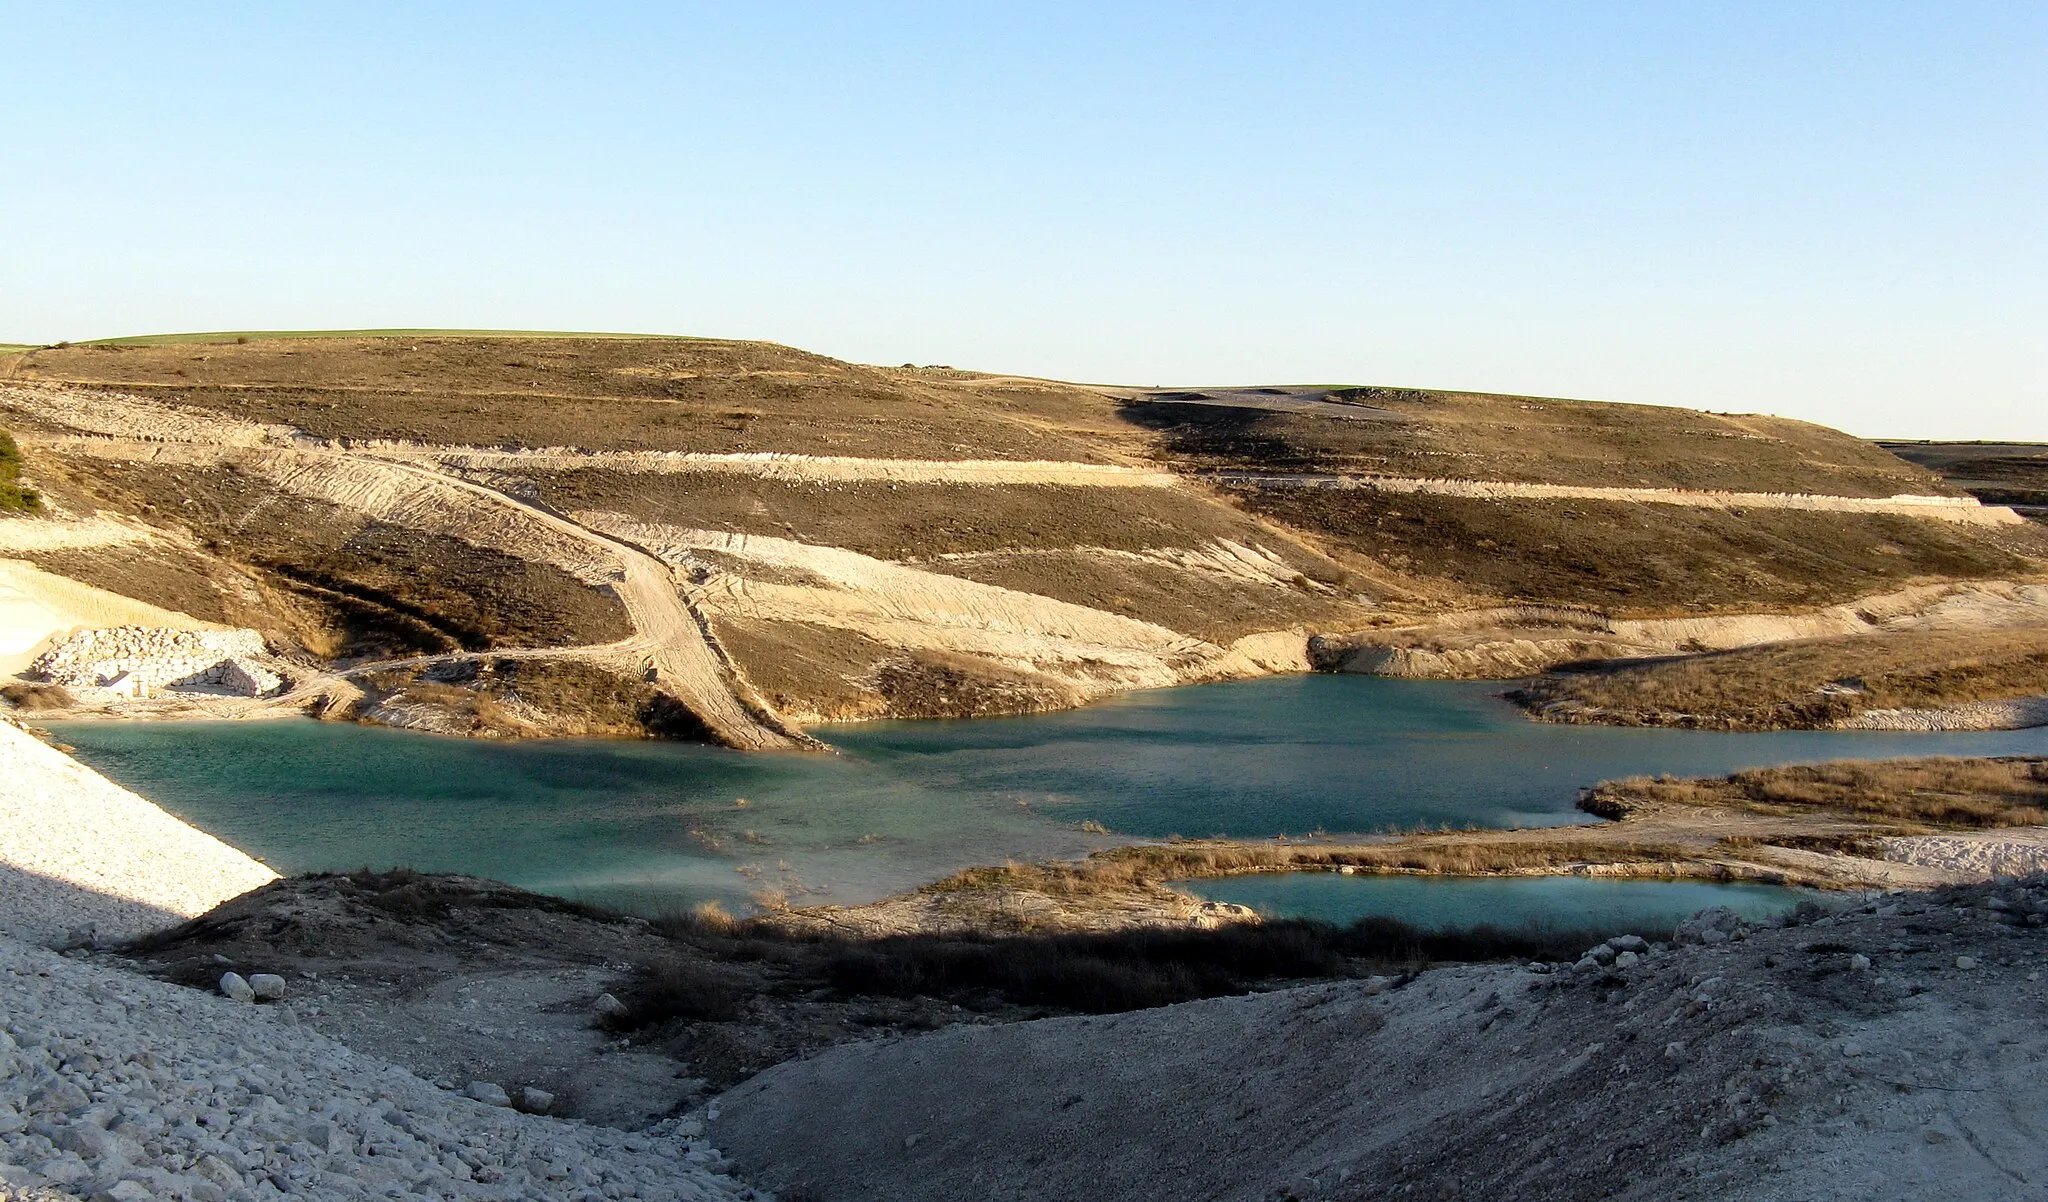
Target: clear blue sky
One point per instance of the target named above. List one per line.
(1831, 211)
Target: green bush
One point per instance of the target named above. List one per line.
(15, 497)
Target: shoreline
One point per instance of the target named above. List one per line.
(2026, 712)
(1635, 832)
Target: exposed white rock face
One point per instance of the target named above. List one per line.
(117, 1086)
(137, 661)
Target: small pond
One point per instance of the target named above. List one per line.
(1511, 903)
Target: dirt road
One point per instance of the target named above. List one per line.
(686, 661)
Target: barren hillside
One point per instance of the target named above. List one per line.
(527, 534)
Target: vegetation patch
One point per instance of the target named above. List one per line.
(1122, 869)
(30, 697)
(1088, 973)
(1538, 440)
(380, 588)
(908, 521)
(15, 496)
(1136, 969)
(1207, 605)
(595, 392)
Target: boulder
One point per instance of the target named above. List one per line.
(233, 986)
(488, 1093)
(1709, 927)
(266, 986)
(536, 1101)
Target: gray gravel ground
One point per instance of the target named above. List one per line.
(119, 1087)
(1894, 1052)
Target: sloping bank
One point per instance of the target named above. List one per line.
(113, 1085)
(1891, 1053)
(78, 851)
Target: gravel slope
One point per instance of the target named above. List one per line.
(1894, 1053)
(116, 1086)
(77, 850)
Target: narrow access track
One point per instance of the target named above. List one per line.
(686, 664)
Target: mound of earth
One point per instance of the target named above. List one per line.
(1892, 1052)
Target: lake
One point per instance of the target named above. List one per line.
(656, 827)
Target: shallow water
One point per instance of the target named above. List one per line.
(659, 826)
(1510, 902)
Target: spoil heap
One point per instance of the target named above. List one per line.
(115, 1086)
(1893, 1052)
(79, 853)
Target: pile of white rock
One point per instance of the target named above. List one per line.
(114, 1086)
(137, 661)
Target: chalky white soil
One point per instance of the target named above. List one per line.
(114, 1085)
(78, 850)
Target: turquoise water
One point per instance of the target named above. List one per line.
(1510, 902)
(659, 826)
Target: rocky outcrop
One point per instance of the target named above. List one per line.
(1514, 641)
(2016, 713)
(1947, 509)
(137, 661)
(1980, 854)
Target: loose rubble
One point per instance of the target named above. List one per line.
(115, 1086)
(138, 661)
(83, 860)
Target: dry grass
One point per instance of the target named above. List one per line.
(1968, 793)
(692, 394)
(1996, 474)
(1211, 607)
(1094, 972)
(910, 521)
(377, 588)
(1804, 684)
(1477, 436)
(30, 698)
(1648, 560)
